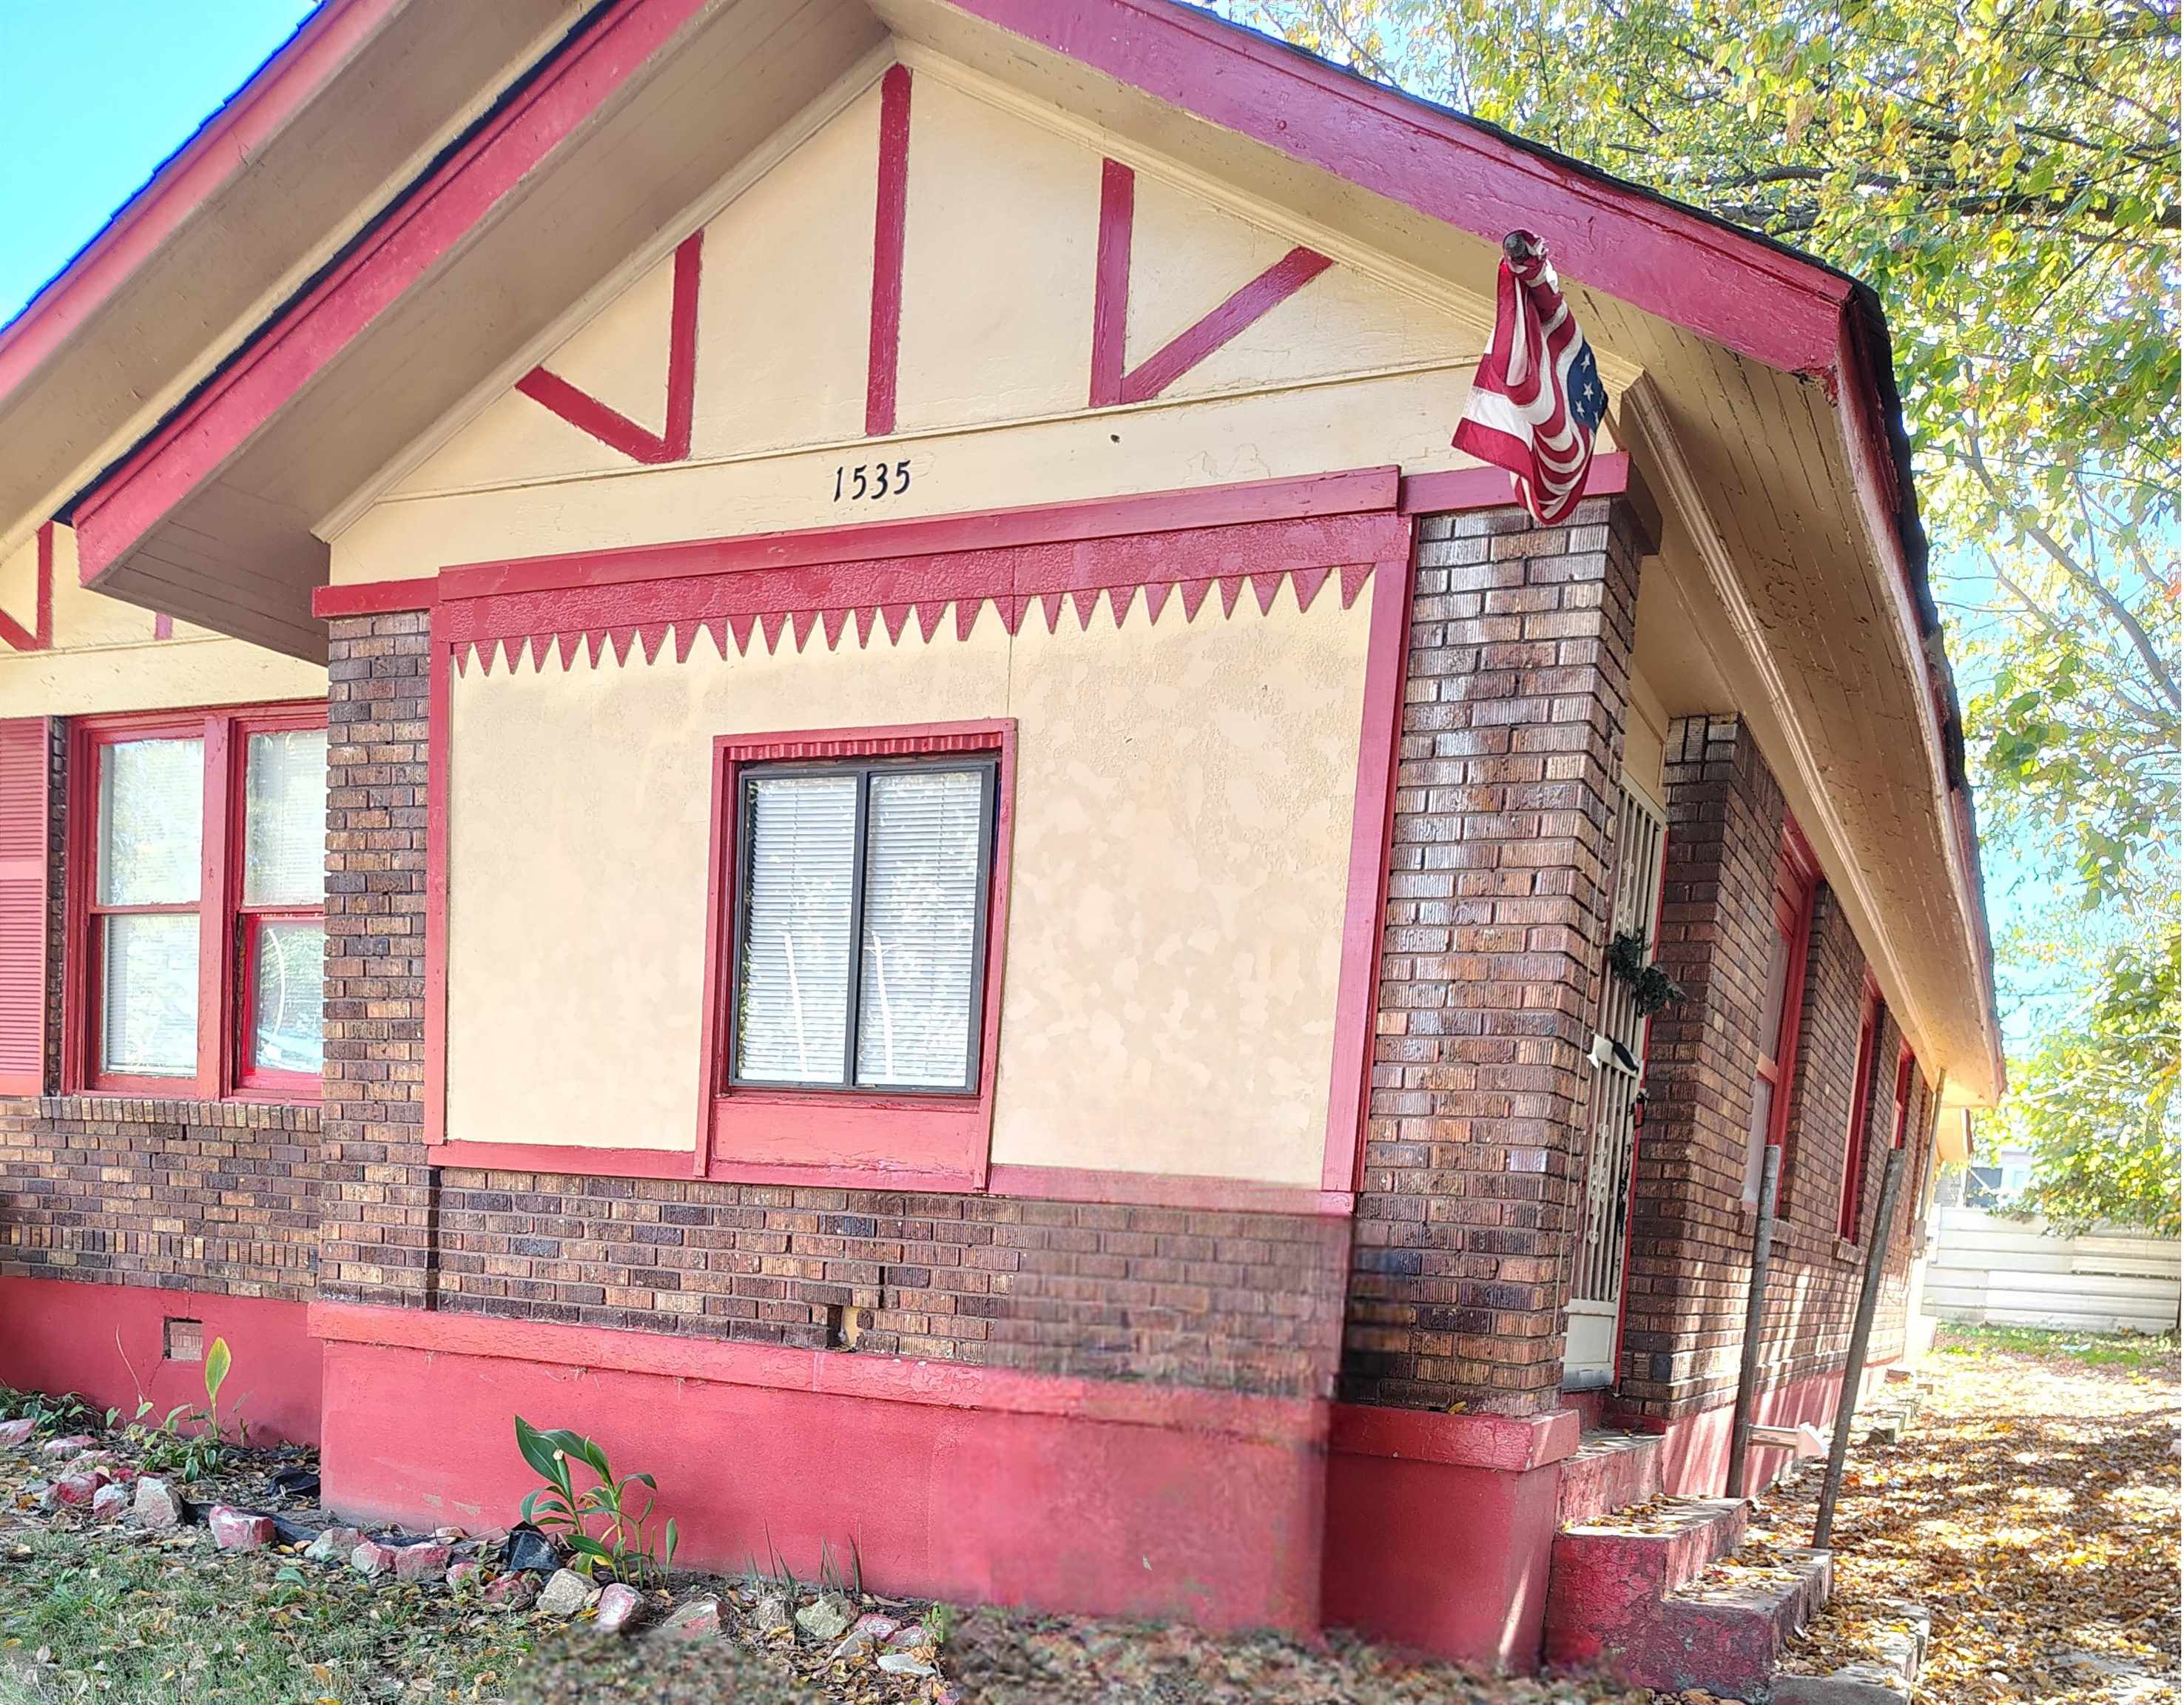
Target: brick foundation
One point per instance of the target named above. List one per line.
(1494, 939)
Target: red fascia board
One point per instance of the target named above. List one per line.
(878, 1379)
(437, 215)
(225, 147)
(1509, 1443)
(1746, 294)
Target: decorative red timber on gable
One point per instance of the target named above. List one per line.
(1112, 382)
(616, 430)
(40, 637)
(889, 228)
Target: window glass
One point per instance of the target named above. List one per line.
(286, 1004)
(923, 844)
(151, 822)
(284, 819)
(793, 1008)
(148, 1020)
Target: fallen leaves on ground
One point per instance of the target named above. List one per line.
(2033, 1510)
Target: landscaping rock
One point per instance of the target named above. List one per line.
(529, 1549)
(511, 1591)
(699, 1619)
(912, 1637)
(618, 1607)
(469, 1573)
(827, 1617)
(565, 1593)
(905, 1663)
(771, 1613)
(108, 1502)
(333, 1544)
(16, 1433)
(371, 1559)
(234, 1530)
(74, 1445)
(40, 1493)
(75, 1491)
(426, 1562)
(157, 1505)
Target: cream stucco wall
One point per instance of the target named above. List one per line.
(1182, 806)
(105, 655)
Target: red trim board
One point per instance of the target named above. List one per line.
(1165, 1189)
(890, 224)
(614, 429)
(39, 637)
(1244, 307)
(440, 212)
(914, 1142)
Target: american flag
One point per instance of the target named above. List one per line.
(1537, 398)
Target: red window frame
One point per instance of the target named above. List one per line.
(1905, 1064)
(1859, 1133)
(228, 932)
(1797, 880)
(827, 1135)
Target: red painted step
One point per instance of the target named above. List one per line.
(1657, 1600)
(1610, 1471)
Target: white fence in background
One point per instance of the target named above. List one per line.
(1984, 1268)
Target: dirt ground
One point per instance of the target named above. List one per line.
(2033, 1509)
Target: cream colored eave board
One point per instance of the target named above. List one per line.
(1764, 701)
(223, 342)
(783, 143)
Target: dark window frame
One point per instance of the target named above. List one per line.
(986, 765)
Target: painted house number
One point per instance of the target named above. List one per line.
(870, 480)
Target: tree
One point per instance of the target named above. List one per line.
(2005, 172)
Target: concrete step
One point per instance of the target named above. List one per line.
(1608, 1576)
(1610, 1471)
(1674, 1597)
(1894, 1641)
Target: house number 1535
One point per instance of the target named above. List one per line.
(870, 480)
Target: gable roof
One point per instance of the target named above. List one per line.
(384, 291)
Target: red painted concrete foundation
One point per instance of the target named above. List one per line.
(61, 1335)
(957, 1482)
(1439, 1529)
(1695, 1450)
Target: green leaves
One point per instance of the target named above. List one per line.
(604, 1525)
(217, 1363)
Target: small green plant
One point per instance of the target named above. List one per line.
(939, 1622)
(604, 1525)
(66, 1413)
(188, 1443)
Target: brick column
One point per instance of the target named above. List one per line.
(1494, 939)
(1690, 1234)
(376, 1204)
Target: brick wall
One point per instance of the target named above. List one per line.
(1242, 1301)
(182, 1193)
(1494, 939)
(1692, 1234)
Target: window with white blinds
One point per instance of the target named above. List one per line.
(861, 933)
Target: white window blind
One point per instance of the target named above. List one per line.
(861, 944)
(793, 1013)
(284, 819)
(922, 845)
(151, 821)
(148, 1026)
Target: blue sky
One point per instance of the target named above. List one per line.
(98, 92)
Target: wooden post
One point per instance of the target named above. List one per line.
(1876, 1262)
(1755, 1320)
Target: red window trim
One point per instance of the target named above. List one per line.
(1858, 1133)
(1796, 881)
(223, 985)
(816, 1137)
(1906, 1062)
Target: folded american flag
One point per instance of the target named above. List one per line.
(1537, 398)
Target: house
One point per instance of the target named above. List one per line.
(969, 876)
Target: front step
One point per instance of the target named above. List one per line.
(1609, 1471)
(1672, 1598)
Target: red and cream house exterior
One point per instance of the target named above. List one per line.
(968, 874)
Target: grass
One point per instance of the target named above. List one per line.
(88, 1614)
(2137, 1352)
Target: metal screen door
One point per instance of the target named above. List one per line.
(1596, 1288)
